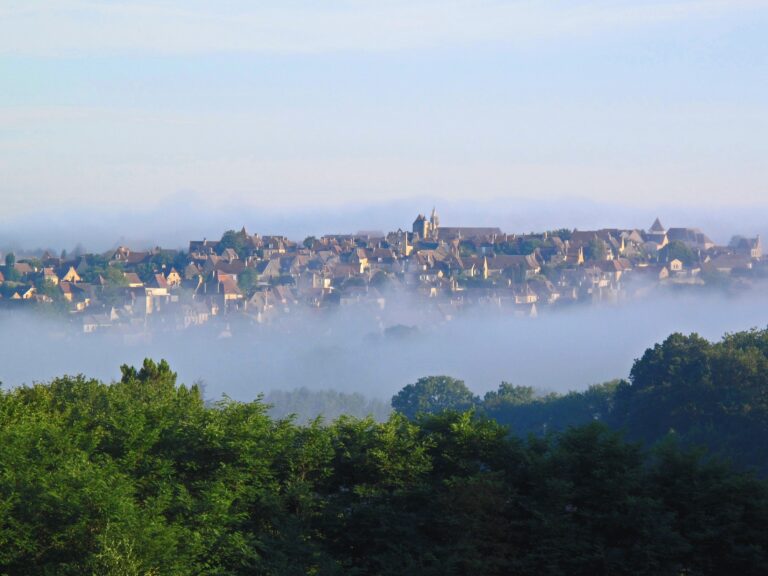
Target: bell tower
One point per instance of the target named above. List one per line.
(434, 224)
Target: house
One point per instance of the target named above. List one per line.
(194, 314)
(545, 291)
(753, 247)
(120, 254)
(173, 278)
(23, 268)
(268, 269)
(468, 232)
(157, 286)
(614, 268)
(691, 237)
(94, 322)
(200, 249)
(359, 259)
(227, 285)
(132, 280)
(676, 265)
(285, 296)
(192, 271)
(70, 276)
(420, 227)
(525, 295)
(50, 276)
(656, 236)
(77, 294)
(66, 290)
(136, 258)
(272, 245)
(512, 266)
(651, 272)
(729, 263)
(574, 254)
(229, 255)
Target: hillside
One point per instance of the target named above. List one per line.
(140, 476)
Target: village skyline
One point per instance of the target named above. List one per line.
(259, 279)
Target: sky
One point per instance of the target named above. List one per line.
(182, 108)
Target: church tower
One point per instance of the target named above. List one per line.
(421, 227)
(434, 224)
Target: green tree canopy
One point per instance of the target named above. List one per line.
(238, 241)
(432, 395)
(596, 250)
(142, 477)
(677, 250)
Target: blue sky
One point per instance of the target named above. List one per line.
(120, 105)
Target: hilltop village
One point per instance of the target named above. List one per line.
(260, 279)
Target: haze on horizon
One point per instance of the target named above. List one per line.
(344, 350)
(134, 107)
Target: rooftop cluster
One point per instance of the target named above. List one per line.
(447, 269)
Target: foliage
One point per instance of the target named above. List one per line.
(248, 281)
(113, 273)
(141, 477)
(713, 395)
(9, 271)
(432, 395)
(677, 250)
(525, 412)
(596, 250)
(521, 246)
(562, 233)
(238, 241)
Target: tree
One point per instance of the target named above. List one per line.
(10, 272)
(248, 281)
(432, 395)
(381, 280)
(677, 250)
(141, 477)
(509, 394)
(596, 250)
(562, 233)
(238, 241)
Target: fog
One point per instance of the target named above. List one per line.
(190, 216)
(350, 350)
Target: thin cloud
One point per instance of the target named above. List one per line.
(76, 27)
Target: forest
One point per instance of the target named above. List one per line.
(702, 394)
(143, 476)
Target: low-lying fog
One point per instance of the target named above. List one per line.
(351, 351)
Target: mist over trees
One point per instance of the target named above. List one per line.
(306, 405)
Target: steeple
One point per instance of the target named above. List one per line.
(657, 228)
(434, 224)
